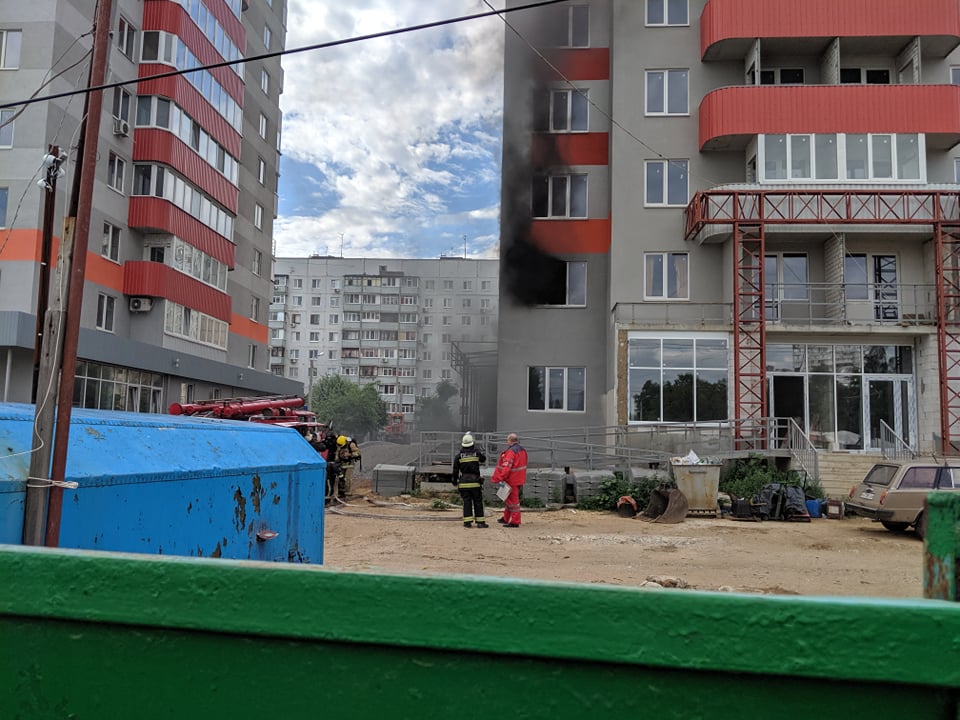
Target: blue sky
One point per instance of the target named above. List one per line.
(393, 143)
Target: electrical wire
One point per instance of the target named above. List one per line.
(289, 51)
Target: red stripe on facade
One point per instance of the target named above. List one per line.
(172, 18)
(187, 97)
(153, 279)
(104, 272)
(160, 145)
(570, 149)
(775, 109)
(572, 236)
(153, 214)
(746, 19)
(579, 64)
(247, 328)
(22, 245)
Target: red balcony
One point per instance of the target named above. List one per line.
(728, 27)
(729, 117)
(153, 279)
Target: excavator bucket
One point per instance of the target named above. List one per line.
(667, 505)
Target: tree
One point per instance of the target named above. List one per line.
(433, 413)
(353, 409)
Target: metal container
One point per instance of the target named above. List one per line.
(390, 480)
(174, 485)
(700, 484)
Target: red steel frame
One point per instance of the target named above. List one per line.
(749, 212)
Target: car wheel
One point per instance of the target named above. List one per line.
(895, 526)
(920, 527)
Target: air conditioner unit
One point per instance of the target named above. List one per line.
(121, 127)
(336, 290)
(140, 304)
(293, 361)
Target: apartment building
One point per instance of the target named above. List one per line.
(402, 324)
(768, 226)
(178, 274)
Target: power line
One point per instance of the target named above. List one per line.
(290, 51)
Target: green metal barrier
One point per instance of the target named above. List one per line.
(941, 567)
(96, 635)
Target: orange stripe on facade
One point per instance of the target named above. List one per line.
(570, 149)
(245, 327)
(103, 272)
(572, 236)
(585, 64)
(22, 245)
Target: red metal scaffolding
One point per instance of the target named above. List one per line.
(747, 213)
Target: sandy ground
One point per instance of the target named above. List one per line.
(849, 557)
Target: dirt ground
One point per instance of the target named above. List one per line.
(849, 557)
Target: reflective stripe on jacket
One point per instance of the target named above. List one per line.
(466, 467)
(512, 466)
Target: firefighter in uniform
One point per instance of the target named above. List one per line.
(466, 476)
(512, 470)
(345, 460)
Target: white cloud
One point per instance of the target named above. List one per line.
(400, 129)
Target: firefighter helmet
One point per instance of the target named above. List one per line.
(342, 440)
(467, 441)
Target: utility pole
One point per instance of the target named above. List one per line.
(51, 162)
(60, 358)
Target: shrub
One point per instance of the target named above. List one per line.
(747, 476)
(614, 488)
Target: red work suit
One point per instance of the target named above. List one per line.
(512, 470)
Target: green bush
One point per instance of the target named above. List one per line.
(614, 488)
(531, 502)
(747, 476)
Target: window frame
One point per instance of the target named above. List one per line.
(5, 49)
(571, 25)
(110, 244)
(665, 112)
(126, 38)
(665, 5)
(106, 312)
(667, 267)
(7, 123)
(571, 180)
(666, 164)
(546, 380)
(258, 216)
(116, 172)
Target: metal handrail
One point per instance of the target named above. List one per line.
(894, 447)
(803, 450)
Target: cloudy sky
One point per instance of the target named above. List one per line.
(391, 147)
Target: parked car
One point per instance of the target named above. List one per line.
(895, 492)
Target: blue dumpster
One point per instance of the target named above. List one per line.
(172, 485)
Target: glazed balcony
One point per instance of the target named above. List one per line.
(731, 116)
(729, 28)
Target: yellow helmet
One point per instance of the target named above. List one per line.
(342, 440)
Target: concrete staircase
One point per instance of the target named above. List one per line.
(840, 471)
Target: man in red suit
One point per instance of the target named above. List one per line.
(512, 470)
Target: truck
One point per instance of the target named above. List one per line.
(280, 410)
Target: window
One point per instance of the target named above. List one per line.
(6, 128)
(859, 76)
(556, 388)
(677, 378)
(466, 302)
(560, 196)
(468, 284)
(782, 76)
(4, 194)
(431, 285)
(565, 284)
(316, 284)
(316, 301)
(484, 303)
(561, 111)
(667, 92)
(266, 37)
(667, 12)
(10, 49)
(255, 309)
(448, 284)
(334, 301)
(786, 279)
(334, 319)
(427, 374)
(263, 126)
(257, 265)
(666, 276)
(121, 104)
(314, 319)
(567, 25)
(447, 302)
(115, 169)
(251, 356)
(446, 320)
(297, 284)
(484, 284)
(298, 300)
(261, 171)
(126, 38)
(106, 305)
(258, 216)
(110, 246)
(667, 183)
(445, 374)
(465, 320)
(854, 157)
(314, 337)
(265, 82)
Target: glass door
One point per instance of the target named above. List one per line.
(888, 400)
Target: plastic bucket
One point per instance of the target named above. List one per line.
(813, 508)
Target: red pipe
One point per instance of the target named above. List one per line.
(235, 407)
